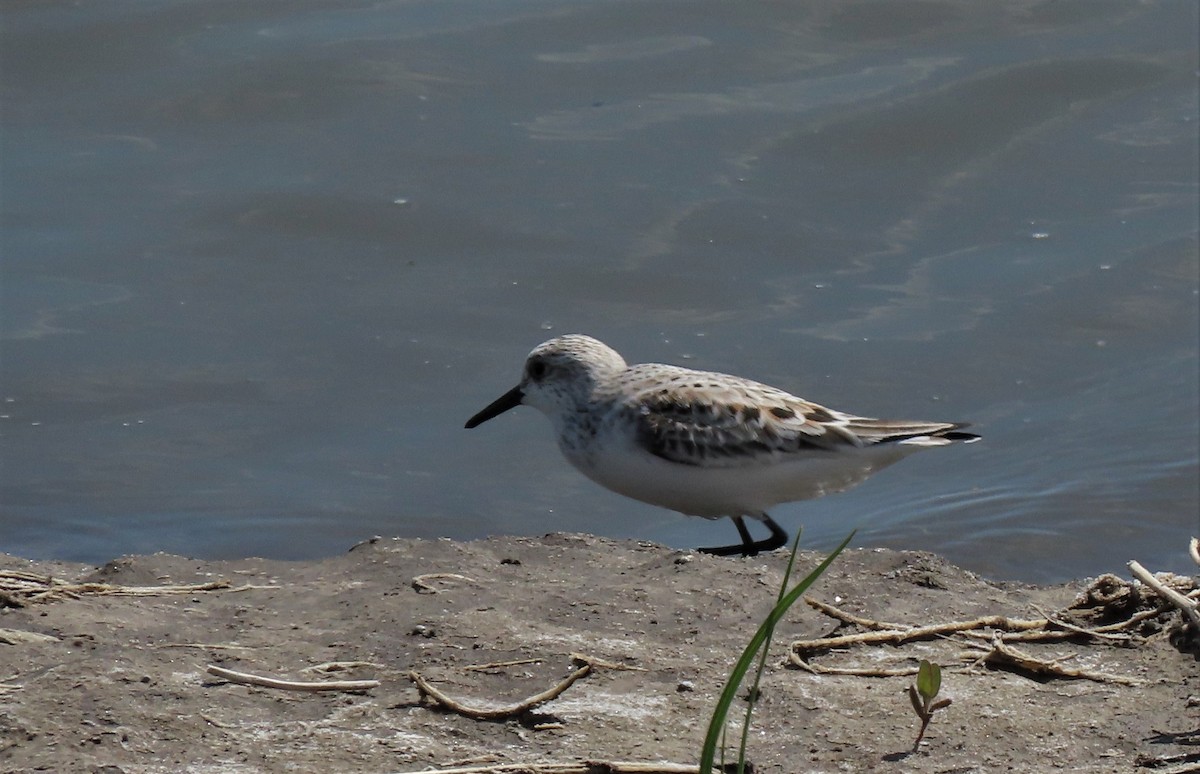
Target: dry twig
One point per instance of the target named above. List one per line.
(28, 587)
(1002, 655)
(580, 658)
(201, 646)
(291, 685)
(998, 654)
(847, 617)
(900, 635)
(500, 664)
(580, 767)
(501, 712)
(1180, 763)
(213, 721)
(1069, 630)
(421, 582)
(1189, 608)
(22, 637)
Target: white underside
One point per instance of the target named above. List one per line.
(713, 492)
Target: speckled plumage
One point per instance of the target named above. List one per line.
(704, 443)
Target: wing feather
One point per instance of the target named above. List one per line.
(727, 422)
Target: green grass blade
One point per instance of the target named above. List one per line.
(742, 666)
(762, 658)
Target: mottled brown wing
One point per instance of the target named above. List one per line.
(693, 432)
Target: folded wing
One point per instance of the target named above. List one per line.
(749, 425)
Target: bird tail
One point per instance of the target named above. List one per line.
(912, 433)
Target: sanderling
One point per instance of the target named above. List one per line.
(702, 443)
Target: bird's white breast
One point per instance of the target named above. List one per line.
(614, 460)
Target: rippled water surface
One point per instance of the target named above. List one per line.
(262, 260)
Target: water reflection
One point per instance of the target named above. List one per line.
(261, 261)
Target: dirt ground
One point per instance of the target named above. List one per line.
(95, 681)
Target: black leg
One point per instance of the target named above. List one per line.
(779, 536)
(749, 546)
(747, 540)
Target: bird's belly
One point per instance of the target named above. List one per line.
(718, 491)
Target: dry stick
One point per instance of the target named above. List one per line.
(22, 637)
(421, 582)
(36, 588)
(201, 645)
(1031, 630)
(1154, 761)
(580, 658)
(499, 664)
(847, 617)
(497, 713)
(213, 721)
(291, 685)
(29, 576)
(886, 633)
(576, 657)
(901, 636)
(997, 621)
(475, 760)
(581, 767)
(1134, 619)
(1104, 632)
(895, 636)
(1002, 655)
(1072, 629)
(1185, 605)
(1050, 635)
(137, 591)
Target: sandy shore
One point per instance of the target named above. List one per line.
(93, 680)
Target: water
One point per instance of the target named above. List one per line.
(261, 261)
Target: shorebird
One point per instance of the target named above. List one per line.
(704, 443)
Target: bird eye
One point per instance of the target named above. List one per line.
(537, 369)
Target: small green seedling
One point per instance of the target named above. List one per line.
(922, 695)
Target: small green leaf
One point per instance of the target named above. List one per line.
(929, 679)
(918, 706)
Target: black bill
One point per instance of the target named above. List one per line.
(508, 400)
